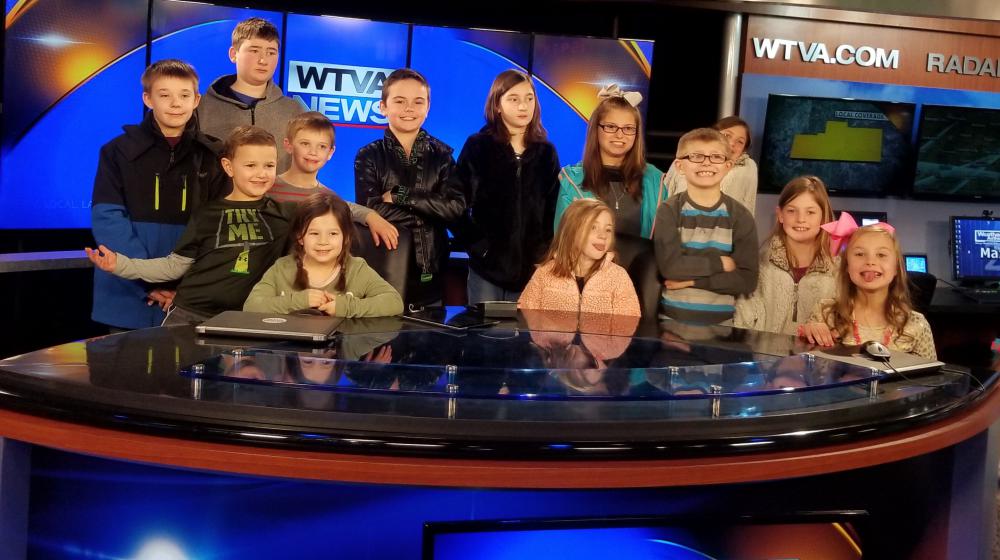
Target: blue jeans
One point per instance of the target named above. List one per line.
(479, 289)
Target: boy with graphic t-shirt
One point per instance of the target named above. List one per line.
(250, 97)
(228, 244)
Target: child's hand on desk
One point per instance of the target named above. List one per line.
(317, 298)
(382, 231)
(103, 258)
(818, 333)
(330, 307)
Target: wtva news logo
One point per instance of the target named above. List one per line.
(345, 94)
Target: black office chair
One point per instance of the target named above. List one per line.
(635, 255)
(922, 286)
(394, 266)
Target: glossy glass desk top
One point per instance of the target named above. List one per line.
(542, 386)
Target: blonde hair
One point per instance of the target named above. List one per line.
(168, 68)
(310, 120)
(246, 135)
(702, 135)
(634, 164)
(807, 184)
(898, 306)
(573, 231)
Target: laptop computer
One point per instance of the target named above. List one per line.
(902, 362)
(313, 328)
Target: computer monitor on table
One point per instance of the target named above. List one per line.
(976, 250)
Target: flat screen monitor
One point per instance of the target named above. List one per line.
(833, 536)
(976, 248)
(915, 263)
(857, 147)
(863, 217)
(958, 153)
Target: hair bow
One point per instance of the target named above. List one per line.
(634, 98)
(841, 230)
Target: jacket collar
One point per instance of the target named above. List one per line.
(778, 255)
(222, 88)
(145, 135)
(419, 145)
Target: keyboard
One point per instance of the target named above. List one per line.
(982, 295)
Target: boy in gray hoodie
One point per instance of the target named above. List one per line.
(250, 97)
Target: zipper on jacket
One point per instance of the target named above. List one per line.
(156, 191)
(253, 110)
(795, 303)
(184, 194)
(170, 162)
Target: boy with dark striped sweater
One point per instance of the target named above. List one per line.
(705, 241)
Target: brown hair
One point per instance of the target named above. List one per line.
(494, 122)
(634, 165)
(730, 122)
(310, 120)
(246, 135)
(316, 205)
(813, 185)
(573, 230)
(702, 135)
(898, 306)
(254, 28)
(168, 68)
(404, 74)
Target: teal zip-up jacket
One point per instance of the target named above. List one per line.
(654, 191)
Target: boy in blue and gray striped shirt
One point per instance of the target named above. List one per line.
(705, 241)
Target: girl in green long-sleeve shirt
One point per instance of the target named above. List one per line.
(320, 272)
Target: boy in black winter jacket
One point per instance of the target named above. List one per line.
(404, 177)
(149, 181)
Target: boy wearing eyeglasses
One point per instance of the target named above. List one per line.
(705, 241)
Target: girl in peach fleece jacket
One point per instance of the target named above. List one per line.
(578, 273)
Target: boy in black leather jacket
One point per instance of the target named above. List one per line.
(404, 177)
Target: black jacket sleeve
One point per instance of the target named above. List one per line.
(441, 201)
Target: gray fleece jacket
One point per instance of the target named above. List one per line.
(220, 112)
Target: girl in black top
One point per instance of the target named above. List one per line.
(509, 173)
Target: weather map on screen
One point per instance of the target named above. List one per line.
(856, 146)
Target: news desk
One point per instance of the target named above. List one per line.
(267, 445)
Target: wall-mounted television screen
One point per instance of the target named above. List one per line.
(829, 535)
(857, 147)
(958, 154)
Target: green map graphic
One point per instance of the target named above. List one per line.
(839, 143)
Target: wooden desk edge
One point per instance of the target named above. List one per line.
(483, 473)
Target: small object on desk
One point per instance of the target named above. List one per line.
(876, 350)
(271, 325)
(896, 361)
(498, 309)
(448, 318)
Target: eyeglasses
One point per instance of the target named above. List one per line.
(614, 128)
(699, 158)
